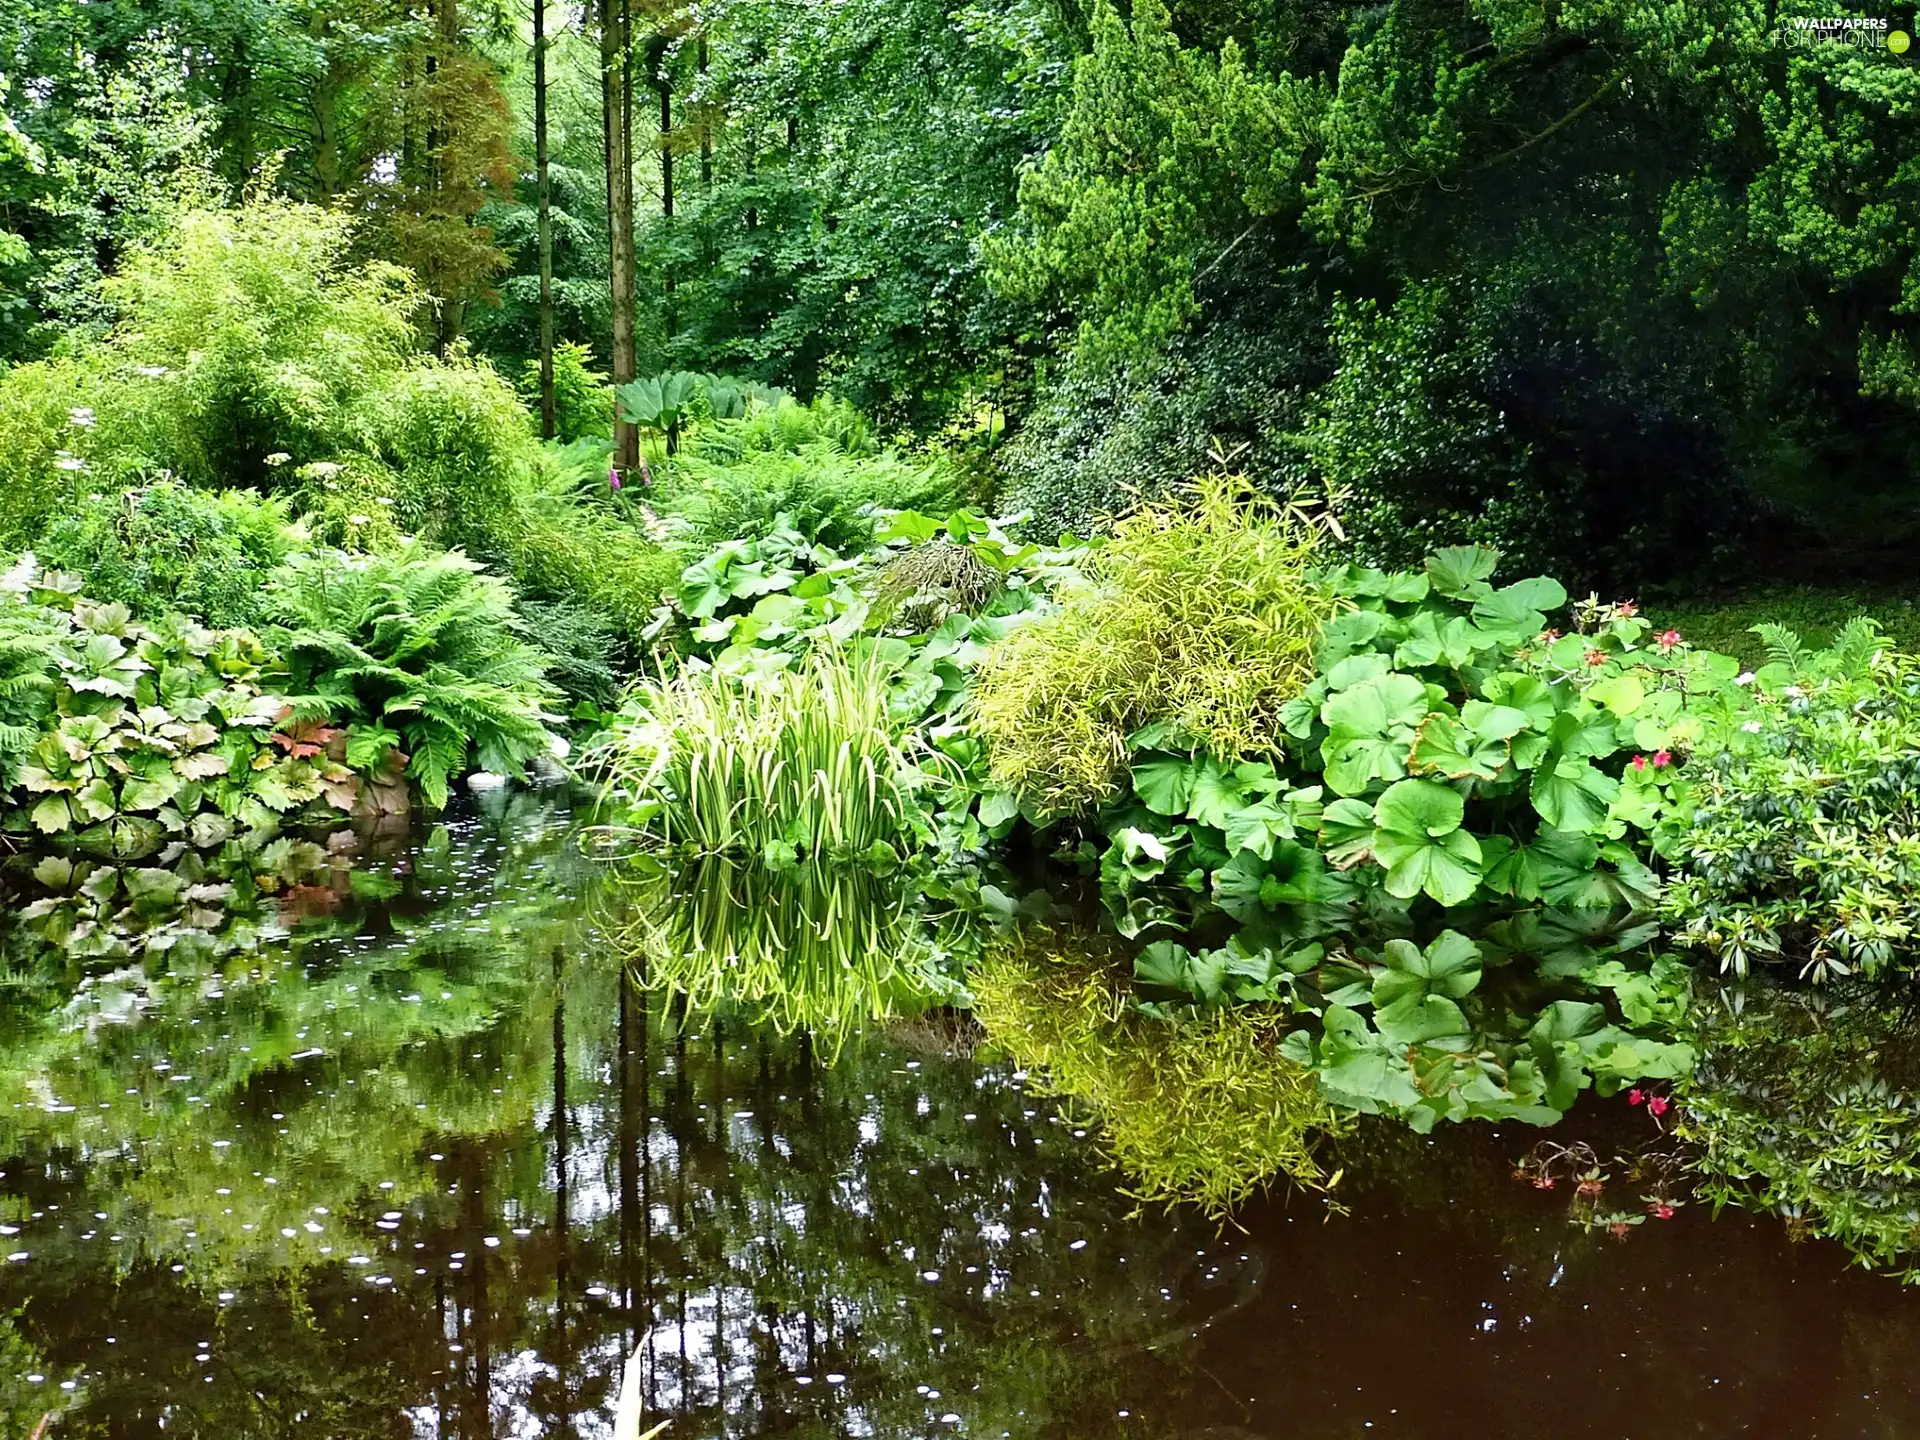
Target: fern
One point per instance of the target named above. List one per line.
(1783, 646)
(425, 643)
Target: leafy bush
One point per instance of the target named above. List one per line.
(801, 764)
(259, 333)
(1802, 841)
(1198, 616)
(168, 549)
(51, 441)
(349, 503)
(784, 426)
(563, 552)
(422, 653)
(582, 395)
(1207, 1112)
(819, 490)
(457, 439)
(147, 736)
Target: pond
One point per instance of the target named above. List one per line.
(409, 1158)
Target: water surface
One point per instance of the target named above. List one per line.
(419, 1164)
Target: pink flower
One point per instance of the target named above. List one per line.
(1626, 609)
(613, 477)
(1618, 1229)
(1669, 639)
(1658, 1105)
(1660, 1210)
(1662, 759)
(1635, 1096)
(1596, 657)
(1640, 762)
(1549, 636)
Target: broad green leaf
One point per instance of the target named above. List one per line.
(1525, 693)
(1445, 747)
(1376, 705)
(1493, 722)
(1346, 832)
(1622, 694)
(1420, 808)
(51, 815)
(1215, 795)
(1256, 827)
(1447, 868)
(1450, 966)
(1420, 1020)
(1458, 569)
(1164, 785)
(1432, 642)
(1573, 795)
(997, 807)
(1546, 869)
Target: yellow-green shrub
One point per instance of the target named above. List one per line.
(1199, 613)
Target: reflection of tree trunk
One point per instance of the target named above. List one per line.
(480, 1417)
(543, 184)
(562, 1218)
(616, 98)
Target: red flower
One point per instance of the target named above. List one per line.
(1639, 762)
(1657, 1106)
(1592, 1187)
(1635, 1096)
(1618, 1229)
(1545, 1182)
(1596, 657)
(1660, 1210)
(1549, 636)
(1662, 759)
(1669, 639)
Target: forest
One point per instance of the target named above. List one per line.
(1256, 582)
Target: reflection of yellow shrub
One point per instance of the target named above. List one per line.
(1206, 1111)
(1199, 612)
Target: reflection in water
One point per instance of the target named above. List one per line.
(825, 951)
(426, 1167)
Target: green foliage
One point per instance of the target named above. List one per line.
(808, 764)
(582, 396)
(456, 437)
(168, 549)
(1451, 746)
(826, 950)
(1801, 845)
(563, 552)
(424, 645)
(1803, 1106)
(779, 423)
(1433, 1045)
(1197, 617)
(1206, 1112)
(148, 736)
(820, 489)
(267, 336)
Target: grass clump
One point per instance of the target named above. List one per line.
(1198, 614)
(1207, 1111)
(804, 763)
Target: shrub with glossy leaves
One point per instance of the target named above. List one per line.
(1802, 842)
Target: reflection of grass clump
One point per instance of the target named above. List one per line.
(1809, 1106)
(1206, 1111)
(819, 950)
(1199, 613)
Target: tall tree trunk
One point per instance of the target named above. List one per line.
(548, 421)
(616, 94)
(664, 83)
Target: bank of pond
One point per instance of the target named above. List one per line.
(427, 1129)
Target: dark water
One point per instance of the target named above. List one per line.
(425, 1167)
